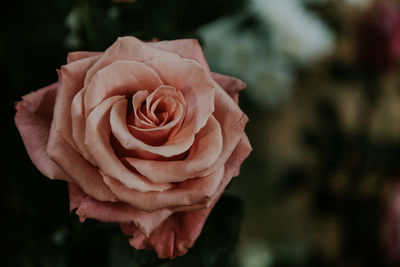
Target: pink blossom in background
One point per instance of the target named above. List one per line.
(391, 223)
(379, 44)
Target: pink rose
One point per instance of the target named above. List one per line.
(144, 134)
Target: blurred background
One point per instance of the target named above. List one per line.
(322, 186)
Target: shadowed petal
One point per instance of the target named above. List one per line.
(184, 194)
(80, 170)
(88, 207)
(230, 84)
(71, 79)
(33, 120)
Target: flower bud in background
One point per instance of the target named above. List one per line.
(391, 223)
(379, 40)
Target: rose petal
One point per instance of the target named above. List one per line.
(80, 170)
(230, 84)
(88, 207)
(232, 121)
(79, 124)
(97, 140)
(128, 141)
(126, 48)
(179, 232)
(33, 120)
(134, 138)
(186, 48)
(185, 194)
(153, 100)
(137, 117)
(140, 241)
(77, 55)
(120, 78)
(204, 152)
(143, 137)
(71, 79)
(241, 152)
(198, 90)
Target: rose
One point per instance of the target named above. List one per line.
(145, 135)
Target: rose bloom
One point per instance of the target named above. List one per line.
(144, 134)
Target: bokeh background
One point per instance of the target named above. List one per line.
(322, 186)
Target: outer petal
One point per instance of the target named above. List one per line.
(183, 197)
(126, 48)
(88, 207)
(230, 84)
(78, 118)
(33, 120)
(186, 48)
(179, 232)
(77, 55)
(71, 79)
(79, 169)
(232, 121)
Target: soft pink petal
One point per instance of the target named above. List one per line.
(122, 77)
(230, 84)
(97, 140)
(33, 120)
(78, 119)
(141, 138)
(77, 55)
(126, 48)
(186, 48)
(198, 89)
(232, 121)
(71, 79)
(205, 150)
(185, 194)
(90, 208)
(140, 241)
(153, 99)
(129, 136)
(79, 169)
(179, 232)
(121, 131)
(136, 117)
(241, 152)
